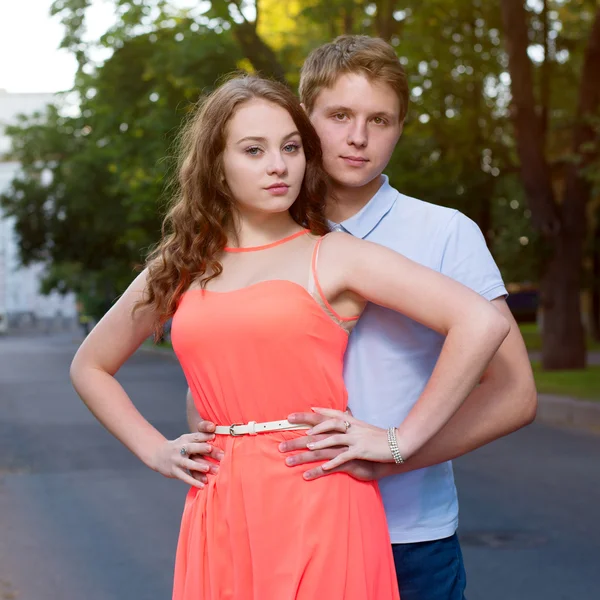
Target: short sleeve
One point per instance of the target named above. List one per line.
(466, 258)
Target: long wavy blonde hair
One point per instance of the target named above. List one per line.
(194, 232)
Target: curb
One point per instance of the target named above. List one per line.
(572, 412)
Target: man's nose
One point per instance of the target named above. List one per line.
(357, 136)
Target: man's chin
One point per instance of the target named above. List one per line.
(354, 180)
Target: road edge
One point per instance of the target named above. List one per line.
(571, 412)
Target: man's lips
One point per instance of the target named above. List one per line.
(355, 161)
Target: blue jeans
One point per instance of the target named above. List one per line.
(430, 570)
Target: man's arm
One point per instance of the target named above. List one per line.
(504, 401)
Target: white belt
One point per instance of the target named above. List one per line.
(253, 428)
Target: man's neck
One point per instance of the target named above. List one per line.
(345, 201)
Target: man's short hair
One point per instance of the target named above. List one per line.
(360, 54)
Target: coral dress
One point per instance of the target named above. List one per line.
(260, 343)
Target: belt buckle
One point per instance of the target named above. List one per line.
(232, 433)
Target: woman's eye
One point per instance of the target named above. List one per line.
(253, 151)
(289, 148)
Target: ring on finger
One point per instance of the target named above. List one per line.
(347, 425)
(183, 451)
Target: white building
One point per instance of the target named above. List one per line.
(20, 298)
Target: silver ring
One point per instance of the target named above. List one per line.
(183, 451)
(347, 424)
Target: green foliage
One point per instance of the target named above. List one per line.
(100, 210)
(93, 220)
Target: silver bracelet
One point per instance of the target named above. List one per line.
(393, 444)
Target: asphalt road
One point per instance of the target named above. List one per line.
(80, 518)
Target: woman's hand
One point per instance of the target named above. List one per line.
(363, 441)
(205, 434)
(172, 458)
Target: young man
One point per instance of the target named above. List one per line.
(356, 94)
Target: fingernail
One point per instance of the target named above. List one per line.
(289, 461)
(214, 469)
(309, 432)
(282, 447)
(221, 455)
(307, 476)
(292, 418)
(310, 445)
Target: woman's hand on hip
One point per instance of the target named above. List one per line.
(349, 445)
(205, 430)
(173, 458)
(362, 440)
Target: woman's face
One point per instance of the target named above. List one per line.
(263, 160)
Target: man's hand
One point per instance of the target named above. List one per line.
(206, 429)
(362, 470)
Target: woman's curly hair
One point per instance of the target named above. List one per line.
(194, 231)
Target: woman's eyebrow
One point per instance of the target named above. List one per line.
(253, 138)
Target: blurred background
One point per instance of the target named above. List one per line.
(504, 125)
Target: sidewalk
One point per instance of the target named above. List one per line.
(593, 358)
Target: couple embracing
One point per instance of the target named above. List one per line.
(342, 342)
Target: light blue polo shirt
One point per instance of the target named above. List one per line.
(390, 357)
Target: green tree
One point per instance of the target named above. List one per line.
(88, 200)
(558, 201)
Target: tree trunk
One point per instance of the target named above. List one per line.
(564, 229)
(595, 313)
(385, 23)
(349, 20)
(563, 339)
(535, 171)
(261, 56)
(578, 189)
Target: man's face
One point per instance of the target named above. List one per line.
(358, 123)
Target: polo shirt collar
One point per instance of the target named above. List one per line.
(370, 215)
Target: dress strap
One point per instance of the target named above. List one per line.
(315, 290)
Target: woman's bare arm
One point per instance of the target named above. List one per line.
(116, 337)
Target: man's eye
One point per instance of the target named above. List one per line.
(339, 116)
(379, 121)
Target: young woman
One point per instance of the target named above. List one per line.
(262, 300)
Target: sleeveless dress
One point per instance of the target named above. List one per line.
(266, 345)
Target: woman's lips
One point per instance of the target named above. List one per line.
(278, 190)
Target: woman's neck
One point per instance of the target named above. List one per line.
(257, 230)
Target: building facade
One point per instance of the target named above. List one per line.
(21, 303)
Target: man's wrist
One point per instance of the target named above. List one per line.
(390, 468)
